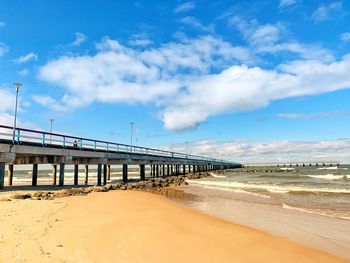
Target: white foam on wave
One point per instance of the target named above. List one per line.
(268, 187)
(328, 176)
(217, 176)
(328, 168)
(240, 191)
(309, 211)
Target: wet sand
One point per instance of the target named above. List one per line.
(133, 226)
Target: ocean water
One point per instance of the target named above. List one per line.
(318, 190)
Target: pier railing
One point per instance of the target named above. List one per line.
(48, 139)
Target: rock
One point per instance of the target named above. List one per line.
(4, 199)
(20, 196)
(99, 189)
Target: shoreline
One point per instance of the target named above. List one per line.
(135, 226)
(316, 231)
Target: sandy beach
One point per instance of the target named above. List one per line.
(134, 226)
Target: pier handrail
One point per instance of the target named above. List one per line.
(47, 139)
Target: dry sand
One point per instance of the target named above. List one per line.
(130, 226)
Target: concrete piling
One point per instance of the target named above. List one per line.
(104, 174)
(61, 177)
(2, 175)
(54, 174)
(35, 175)
(99, 172)
(86, 174)
(76, 173)
(108, 172)
(10, 174)
(157, 170)
(163, 171)
(125, 173)
(142, 172)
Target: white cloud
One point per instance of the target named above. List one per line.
(2, 24)
(285, 3)
(195, 23)
(50, 102)
(190, 81)
(345, 37)
(185, 7)
(266, 39)
(284, 151)
(316, 115)
(325, 12)
(79, 39)
(3, 49)
(26, 58)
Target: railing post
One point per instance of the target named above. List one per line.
(64, 142)
(43, 139)
(95, 146)
(81, 144)
(18, 136)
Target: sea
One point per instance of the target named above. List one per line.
(310, 205)
(319, 190)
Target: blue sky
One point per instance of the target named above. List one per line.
(248, 80)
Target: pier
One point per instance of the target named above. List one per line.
(33, 147)
(298, 164)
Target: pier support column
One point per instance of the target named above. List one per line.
(35, 175)
(2, 175)
(76, 172)
(163, 172)
(142, 172)
(10, 174)
(168, 170)
(104, 174)
(99, 174)
(125, 173)
(184, 169)
(86, 174)
(61, 179)
(189, 168)
(154, 171)
(157, 170)
(108, 172)
(54, 174)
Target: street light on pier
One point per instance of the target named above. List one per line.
(51, 123)
(131, 131)
(17, 86)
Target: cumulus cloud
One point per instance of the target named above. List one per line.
(325, 12)
(189, 81)
(284, 151)
(185, 7)
(26, 58)
(3, 49)
(285, 3)
(266, 39)
(79, 39)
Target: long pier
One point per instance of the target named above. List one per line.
(33, 147)
(297, 164)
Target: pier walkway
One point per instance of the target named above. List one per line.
(32, 147)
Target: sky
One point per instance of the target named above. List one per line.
(249, 81)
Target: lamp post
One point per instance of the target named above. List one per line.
(51, 122)
(17, 86)
(131, 130)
